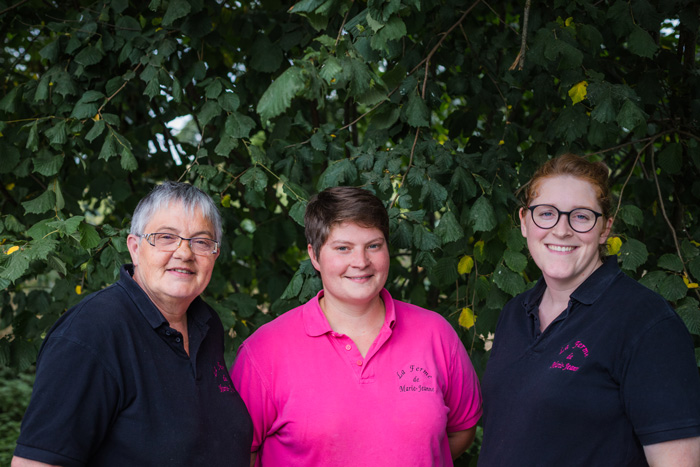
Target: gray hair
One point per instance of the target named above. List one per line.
(162, 195)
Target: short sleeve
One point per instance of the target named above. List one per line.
(74, 401)
(252, 387)
(463, 394)
(661, 386)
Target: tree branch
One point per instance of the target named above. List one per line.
(9, 8)
(520, 59)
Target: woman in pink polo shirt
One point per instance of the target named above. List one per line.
(354, 377)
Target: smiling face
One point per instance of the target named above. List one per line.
(353, 263)
(565, 257)
(173, 279)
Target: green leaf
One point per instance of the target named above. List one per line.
(670, 262)
(255, 178)
(515, 260)
(448, 228)
(88, 56)
(238, 125)
(604, 111)
(633, 254)
(108, 148)
(209, 110)
(690, 313)
(33, 139)
(266, 57)
(423, 239)
(45, 202)
(128, 161)
(508, 281)
(445, 270)
(415, 112)
(96, 130)
(297, 212)
(330, 69)
(89, 238)
(213, 90)
(66, 226)
(176, 9)
(673, 288)
(48, 165)
(229, 101)
(693, 266)
(337, 173)
(482, 215)
(15, 267)
(641, 43)
(572, 123)
(277, 98)
(630, 115)
(671, 158)
(632, 215)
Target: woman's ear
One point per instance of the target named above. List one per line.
(521, 214)
(606, 231)
(312, 256)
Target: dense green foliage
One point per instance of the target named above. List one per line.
(442, 108)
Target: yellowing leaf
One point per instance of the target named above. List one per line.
(465, 265)
(466, 318)
(78, 290)
(578, 92)
(480, 246)
(690, 285)
(10, 186)
(695, 243)
(226, 201)
(96, 117)
(568, 21)
(614, 244)
(501, 143)
(12, 250)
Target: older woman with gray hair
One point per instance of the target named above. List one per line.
(135, 373)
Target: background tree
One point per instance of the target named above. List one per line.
(442, 108)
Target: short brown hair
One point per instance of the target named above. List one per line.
(340, 204)
(595, 173)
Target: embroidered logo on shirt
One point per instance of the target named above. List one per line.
(415, 378)
(222, 378)
(571, 357)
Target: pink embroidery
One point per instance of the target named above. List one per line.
(578, 345)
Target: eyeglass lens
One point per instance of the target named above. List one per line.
(170, 242)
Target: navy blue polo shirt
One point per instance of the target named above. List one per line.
(615, 371)
(115, 387)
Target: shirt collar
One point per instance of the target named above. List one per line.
(587, 293)
(316, 324)
(147, 308)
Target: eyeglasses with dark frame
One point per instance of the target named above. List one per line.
(581, 220)
(169, 242)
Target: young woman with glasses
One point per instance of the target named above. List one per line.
(588, 367)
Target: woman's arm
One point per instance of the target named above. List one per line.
(22, 462)
(676, 453)
(460, 441)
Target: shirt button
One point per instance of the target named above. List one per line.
(177, 340)
(359, 363)
(348, 347)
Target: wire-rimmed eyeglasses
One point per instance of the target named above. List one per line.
(581, 220)
(201, 246)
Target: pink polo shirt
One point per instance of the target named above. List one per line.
(315, 401)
